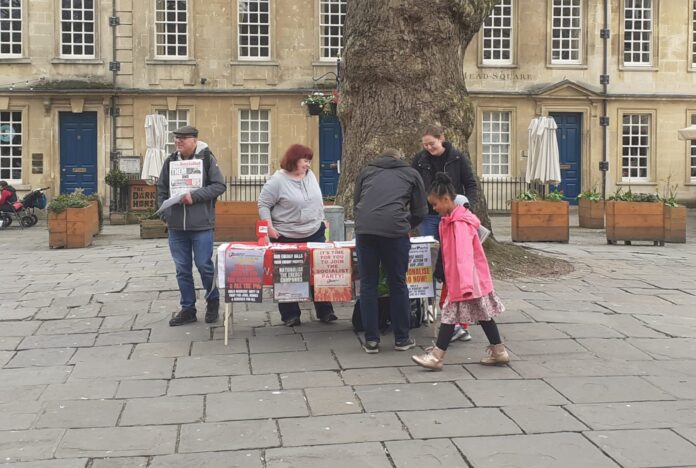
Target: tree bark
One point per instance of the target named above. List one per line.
(403, 69)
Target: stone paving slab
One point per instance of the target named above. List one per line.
(18, 416)
(141, 388)
(161, 350)
(207, 366)
(329, 456)
(373, 376)
(61, 327)
(80, 413)
(40, 357)
(276, 344)
(311, 379)
(122, 337)
(89, 390)
(73, 463)
(332, 400)
(637, 415)
(607, 389)
(402, 397)
(164, 410)
(58, 341)
(118, 442)
(680, 387)
(198, 386)
(539, 419)
(20, 393)
(510, 392)
(117, 369)
(566, 450)
(235, 435)
(614, 349)
(457, 423)
(645, 448)
(29, 445)
(232, 406)
(424, 453)
(102, 354)
(120, 462)
(240, 459)
(34, 375)
(302, 361)
(343, 429)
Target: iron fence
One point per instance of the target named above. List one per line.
(500, 191)
(243, 188)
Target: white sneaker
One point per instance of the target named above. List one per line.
(458, 333)
(466, 336)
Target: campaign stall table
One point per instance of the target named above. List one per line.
(247, 271)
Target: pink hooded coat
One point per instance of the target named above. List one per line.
(466, 269)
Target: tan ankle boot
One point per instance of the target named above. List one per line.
(433, 359)
(497, 355)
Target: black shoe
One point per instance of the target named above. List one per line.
(212, 311)
(328, 318)
(183, 317)
(293, 322)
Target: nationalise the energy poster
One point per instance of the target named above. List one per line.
(244, 275)
(419, 277)
(332, 270)
(291, 275)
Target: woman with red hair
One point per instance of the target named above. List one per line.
(292, 204)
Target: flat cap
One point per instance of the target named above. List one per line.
(186, 130)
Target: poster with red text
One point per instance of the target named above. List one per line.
(419, 277)
(332, 270)
(244, 275)
(291, 275)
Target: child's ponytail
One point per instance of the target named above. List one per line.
(442, 185)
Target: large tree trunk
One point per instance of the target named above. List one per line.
(402, 71)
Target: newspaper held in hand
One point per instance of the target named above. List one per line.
(184, 177)
(483, 233)
(169, 202)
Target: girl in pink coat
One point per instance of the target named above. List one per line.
(470, 294)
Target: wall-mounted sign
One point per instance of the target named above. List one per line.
(142, 197)
(129, 164)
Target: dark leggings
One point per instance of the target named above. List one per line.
(447, 331)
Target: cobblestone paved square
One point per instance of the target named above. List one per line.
(603, 370)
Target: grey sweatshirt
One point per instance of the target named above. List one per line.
(295, 207)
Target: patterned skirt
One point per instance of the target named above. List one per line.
(481, 309)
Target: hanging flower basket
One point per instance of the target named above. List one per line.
(315, 109)
(318, 102)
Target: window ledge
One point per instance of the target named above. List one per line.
(165, 61)
(259, 63)
(638, 68)
(331, 63)
(567, 66)
(77, 61)
(497, 65)
(637, 184)
(15, 60)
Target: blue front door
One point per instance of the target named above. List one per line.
(330, 148)
(78, 152)
(569, 135)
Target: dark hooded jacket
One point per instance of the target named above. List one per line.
(199, 216)
(457, 166)
(389, 198)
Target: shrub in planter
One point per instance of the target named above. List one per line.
(73, 220)
(634, 217)
(591, 209)
(536, 220)
(674, 216)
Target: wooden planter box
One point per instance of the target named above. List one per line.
(73, 228)
(540, 221)
(153, 229)
(635, 221)
(675, 224)
(591, 213)
(235, 221)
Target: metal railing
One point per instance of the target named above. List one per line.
(500, 191)
(243, 188)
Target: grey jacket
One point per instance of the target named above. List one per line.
(200, 216)
(389, 198)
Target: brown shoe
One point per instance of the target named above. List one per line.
(433, 359)
(497, 355)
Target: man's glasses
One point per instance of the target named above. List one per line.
(182, 137)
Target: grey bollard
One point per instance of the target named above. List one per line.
(333, 214)
(350, 229)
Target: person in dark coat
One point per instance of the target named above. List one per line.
(389, 201)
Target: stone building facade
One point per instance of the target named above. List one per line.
(79, 77)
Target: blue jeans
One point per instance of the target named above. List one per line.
(182, 244)
(429, 226)
(291, 310)
(392, 253)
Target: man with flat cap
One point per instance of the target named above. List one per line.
(192, 176)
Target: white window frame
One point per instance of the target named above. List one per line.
(567, 20)
(634, 35)
(331, 29)
(10, 23)
(171, 29)
(9, 119)
(692, 35)
(638, 147)
(174, 121)
(692, 155)
(494, 134)
(490, 29)
(246, 143)
(83, 23)
(258, 25)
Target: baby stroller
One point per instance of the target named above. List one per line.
(24, 210)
